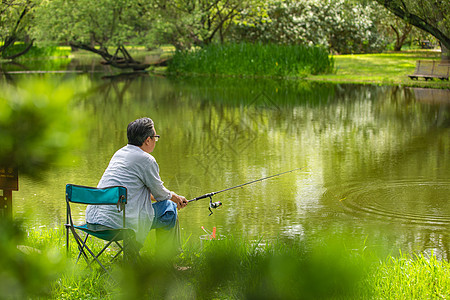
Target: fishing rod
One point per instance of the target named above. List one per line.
(218, 203)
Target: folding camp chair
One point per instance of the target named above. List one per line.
(115, 195)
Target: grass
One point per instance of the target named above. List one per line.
(228, 269)
(384, 68)
(412, 277)
(246, 59)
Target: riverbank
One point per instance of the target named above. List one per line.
(381, 69)
(234, 269)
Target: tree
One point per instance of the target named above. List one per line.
(15, 20)
(401, 31)
(432, 16)
(187, 23)
(338, 25)
(397, 29)
(104, 27)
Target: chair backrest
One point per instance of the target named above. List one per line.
(97, 196)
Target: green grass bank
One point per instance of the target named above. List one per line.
(228, 269)
(249, 60)
(305, 63)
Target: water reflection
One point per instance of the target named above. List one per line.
(376, 160)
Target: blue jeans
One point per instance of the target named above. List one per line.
(164, 220)
(165, 215)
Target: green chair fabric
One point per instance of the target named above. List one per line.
(115, 195)
(102, 232)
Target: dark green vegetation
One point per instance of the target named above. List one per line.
(227, 269)
(252, 60)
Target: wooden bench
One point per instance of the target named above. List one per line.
(430, 69)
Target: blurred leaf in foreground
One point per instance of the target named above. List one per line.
(39, 124)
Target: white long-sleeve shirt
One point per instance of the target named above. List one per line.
(138, 171)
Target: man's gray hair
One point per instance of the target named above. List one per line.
(139, 130)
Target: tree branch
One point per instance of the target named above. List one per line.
(8, 42)
(119, 62)
(415, 20)
(229, 16)
(21, 52)
(101, 52)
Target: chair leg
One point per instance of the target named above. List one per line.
(84, 244)
(118, 252)
(80, 245)
(95, 258)
(67, 241)
(107, 245)
(83, 247)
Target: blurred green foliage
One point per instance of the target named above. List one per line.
(25, 271)
(39, 124)
(237, 269)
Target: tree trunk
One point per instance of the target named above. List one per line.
(125, 61)
(445, 53)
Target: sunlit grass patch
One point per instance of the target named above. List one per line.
(387, 68)
(37, 52)
(412, 277)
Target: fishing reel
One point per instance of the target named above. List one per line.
(213, 205)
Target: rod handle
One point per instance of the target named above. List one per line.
(202, 197)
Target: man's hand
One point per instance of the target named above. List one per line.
(179, 200)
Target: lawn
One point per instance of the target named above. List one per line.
(385, 68)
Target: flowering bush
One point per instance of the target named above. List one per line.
(340, 26)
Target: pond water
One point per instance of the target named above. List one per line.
(375, 159)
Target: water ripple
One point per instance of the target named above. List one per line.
(409, 201)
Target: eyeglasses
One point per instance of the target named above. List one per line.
(156, 137)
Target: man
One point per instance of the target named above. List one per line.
(135, 168)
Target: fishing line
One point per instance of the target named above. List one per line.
(218, 204)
